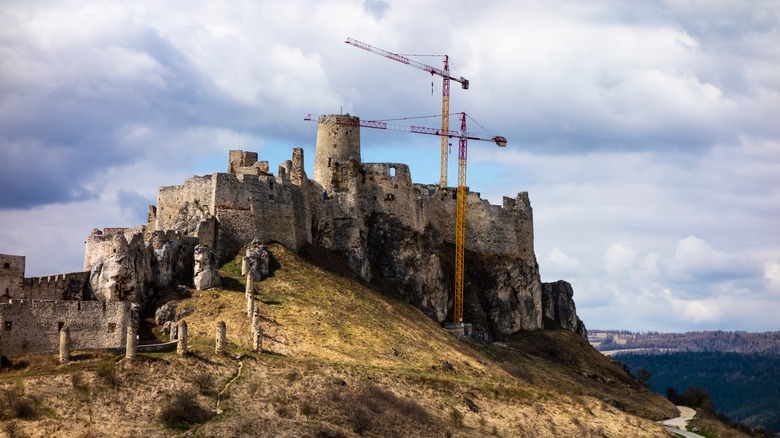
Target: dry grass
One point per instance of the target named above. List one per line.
(328, 369)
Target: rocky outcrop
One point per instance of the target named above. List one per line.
(411, 261)
(501, 294)
(125, 267)
(507, 290)
(558, 306)
(124, 271)
(172, 257)
(206, 270)
(256, 260)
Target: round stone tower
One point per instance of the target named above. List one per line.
(338, 140)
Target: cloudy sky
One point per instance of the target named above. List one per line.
(646, 132)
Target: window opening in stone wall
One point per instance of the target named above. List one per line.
(392, 172)
(271, 184)
(6, 266)
(60, 325)
(329, 161)
(111, 327)
(8, 325)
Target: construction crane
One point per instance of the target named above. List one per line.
(445, 93)
(463, 137)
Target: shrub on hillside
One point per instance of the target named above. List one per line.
(23, 408)
(183, 409)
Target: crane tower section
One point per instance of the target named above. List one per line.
(445, 93)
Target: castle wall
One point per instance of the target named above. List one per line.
(11, 276)
(175, 202)
(387, 188)
(258, 207)
(505, 229)
(70, 286)
(33, 326)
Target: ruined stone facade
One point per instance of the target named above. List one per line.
(33, 326)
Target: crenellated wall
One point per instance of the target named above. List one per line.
(33, 326)
(71, 286)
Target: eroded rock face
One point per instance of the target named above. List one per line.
(125, 274)
(502, 294)
(206, 270)
(507, 290)
(256, 260)
(558, 305)
(172, 257)
(125, 267)
(411, 260)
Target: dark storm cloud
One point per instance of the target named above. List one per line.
(58, 131)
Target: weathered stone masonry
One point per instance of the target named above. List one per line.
(34, 326)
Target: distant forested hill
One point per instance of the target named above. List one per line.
(723, 341)
(745, 387)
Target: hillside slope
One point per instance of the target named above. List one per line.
(339, 359)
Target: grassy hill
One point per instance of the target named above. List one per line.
(340, 359)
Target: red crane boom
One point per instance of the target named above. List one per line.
(445, 93)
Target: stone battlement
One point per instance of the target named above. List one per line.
(69, 286)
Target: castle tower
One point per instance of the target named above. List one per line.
(338, 140)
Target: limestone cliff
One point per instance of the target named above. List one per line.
(558, 305)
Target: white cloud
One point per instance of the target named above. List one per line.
(772, 275)
(619, 258)
(695, 259)
(557, 262)
(699, 311)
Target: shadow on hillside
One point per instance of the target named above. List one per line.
(230, 283)
(328, 260)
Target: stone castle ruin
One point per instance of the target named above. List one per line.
(383, 225)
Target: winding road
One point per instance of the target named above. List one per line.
(677, 425)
